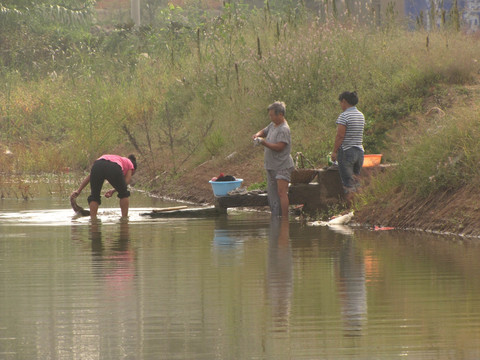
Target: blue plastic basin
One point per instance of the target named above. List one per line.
(221, 188)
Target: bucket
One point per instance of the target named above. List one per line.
(221, 188)
(371, 160)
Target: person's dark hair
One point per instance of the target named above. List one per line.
(133, 159)
(350, 97)
(278, 107)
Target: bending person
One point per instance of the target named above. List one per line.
(278, 162)
(118, 171)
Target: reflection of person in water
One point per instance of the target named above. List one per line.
(114, 268)
(114, 263)
(95, 235)
(352, 288)
(279, 270)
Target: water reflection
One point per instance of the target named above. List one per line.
(95, 236)
(227, 243)
(351, 284)
(120, 243)
(113, 259)
(240, 286)
(114, 297)
(280, 272)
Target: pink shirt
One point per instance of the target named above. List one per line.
(125, 163)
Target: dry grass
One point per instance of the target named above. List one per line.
(190, 99)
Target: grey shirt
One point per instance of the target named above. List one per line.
(278, 160)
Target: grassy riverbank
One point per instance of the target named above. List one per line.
(435, 185)
(189, 89)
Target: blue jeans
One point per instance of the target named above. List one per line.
(350, 163)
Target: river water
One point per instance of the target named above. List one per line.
(239, 286)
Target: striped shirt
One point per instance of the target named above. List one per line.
(354, 121)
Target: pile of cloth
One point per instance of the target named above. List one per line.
(223, 177)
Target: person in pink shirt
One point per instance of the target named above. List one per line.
(118, 171)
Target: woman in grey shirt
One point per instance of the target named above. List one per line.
(278, 162)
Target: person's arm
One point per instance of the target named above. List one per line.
(341, 130)
(282, 138)
(128, 176)
(274, 146)
(82, 186)
(260, 133)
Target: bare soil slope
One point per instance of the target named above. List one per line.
(246, 164)
(456, 211)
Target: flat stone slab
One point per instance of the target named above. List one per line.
(187, 213)
(251, 199)
(314, 197)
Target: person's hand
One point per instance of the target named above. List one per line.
(258, 140)
(257, 135)
(75, 194)
(334, 156)
(109, 193)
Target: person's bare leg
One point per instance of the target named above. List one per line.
(93, 205)
(124, 204)
(282, 186)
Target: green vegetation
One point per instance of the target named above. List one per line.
(439, 153)
(194, 84)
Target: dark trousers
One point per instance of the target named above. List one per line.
(112, 172)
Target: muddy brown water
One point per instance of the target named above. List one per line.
(239, 286)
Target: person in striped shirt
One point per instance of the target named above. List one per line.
(348, 147)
